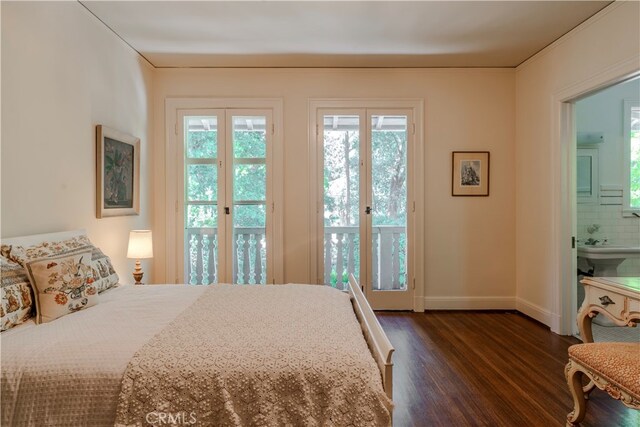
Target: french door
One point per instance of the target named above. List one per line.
(365, 194)
(225, 196)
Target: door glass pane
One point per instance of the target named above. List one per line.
(201, 193)
(389, 210)
(250, 244)
(249, 197)
(202, 182)
(201, 137)
(251, 215)
(202, 216)
(249, 137)
(341, 155)
(250, 182)
(201, 245)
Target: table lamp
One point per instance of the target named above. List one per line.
(140, 247)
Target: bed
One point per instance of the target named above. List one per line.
(205, 355)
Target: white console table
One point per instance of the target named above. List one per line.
(617, 298)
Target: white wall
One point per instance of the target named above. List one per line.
(470, 243)
(610, 39)
(603, 112)
(64, 72)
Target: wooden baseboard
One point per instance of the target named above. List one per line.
(534, 311)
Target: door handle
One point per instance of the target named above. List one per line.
(368, 210)
(227, 211)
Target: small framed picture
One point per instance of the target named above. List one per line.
(470, 173)
(117, 173)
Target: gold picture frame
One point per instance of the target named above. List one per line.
(470, 173)
(117, 173)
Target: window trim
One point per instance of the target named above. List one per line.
(627, 210)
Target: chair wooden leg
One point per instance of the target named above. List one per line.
(574, 380)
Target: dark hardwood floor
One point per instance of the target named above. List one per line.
(456, 368)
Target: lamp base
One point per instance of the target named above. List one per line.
(138, 273)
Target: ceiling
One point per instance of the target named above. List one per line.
(341, 33)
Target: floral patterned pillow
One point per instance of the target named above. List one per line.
(63, 284)
(16, 296)
(23, 254)
(103, 272)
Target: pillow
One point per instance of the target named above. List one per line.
(104, 275)
(62, 284)
(17, 304)
(22, 254)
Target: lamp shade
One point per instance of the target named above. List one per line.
(140, 244)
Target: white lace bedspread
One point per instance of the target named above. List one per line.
(290, 355)
(68, 372)
(279, 355)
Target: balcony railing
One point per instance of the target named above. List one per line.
(389, 249)
(341, 256)
(201, 256)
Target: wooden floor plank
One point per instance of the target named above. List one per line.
(458, 368)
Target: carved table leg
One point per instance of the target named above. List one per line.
(574, 380)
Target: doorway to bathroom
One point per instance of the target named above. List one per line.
(607, 194)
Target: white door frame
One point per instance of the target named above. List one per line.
(416, 216)
(563, 164)
(172, 193)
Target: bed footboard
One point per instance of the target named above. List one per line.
(380, 346)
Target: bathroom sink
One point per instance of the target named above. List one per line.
(608, 251)
(605, 259)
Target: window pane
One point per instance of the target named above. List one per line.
(249, 215)
(249, 137)
(201, 245)
(635, 158)
(389, 213)
(199, 216)
(202, 183)
(341, 184)
(250, 245)
(250, 182)
(201, 136)
(341, 171)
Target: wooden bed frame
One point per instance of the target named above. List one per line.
(379, 344)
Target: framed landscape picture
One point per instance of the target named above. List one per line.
(117, 173)
(470, 173)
